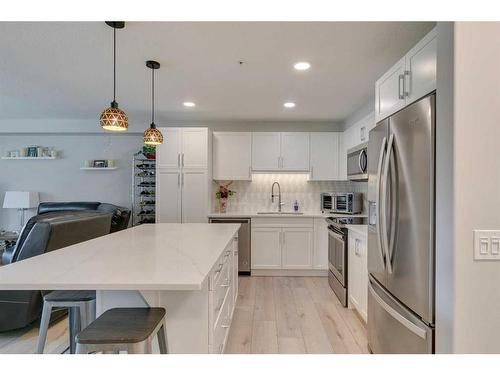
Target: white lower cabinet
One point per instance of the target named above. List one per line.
(282, 244)
(266, 247)
(357, 272)
(297, 245)
(320, 248)
(223, 283)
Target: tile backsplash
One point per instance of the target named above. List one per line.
(255, 195)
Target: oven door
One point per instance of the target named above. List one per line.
(337, 261)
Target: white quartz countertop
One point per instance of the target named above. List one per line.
(307, 214)
(358, 228)
(146, 257)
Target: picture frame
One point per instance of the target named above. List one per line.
(100, 164)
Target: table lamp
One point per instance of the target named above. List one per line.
(22, 200)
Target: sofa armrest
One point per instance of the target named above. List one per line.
(7, 254)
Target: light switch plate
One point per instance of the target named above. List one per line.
(486, 244)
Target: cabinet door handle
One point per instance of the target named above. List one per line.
(178, 160)
(401, 83)
(312, 172)
(182, 179)
(407, 83)
(178, 179)
(183, 160)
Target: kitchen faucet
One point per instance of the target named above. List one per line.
(279, 195)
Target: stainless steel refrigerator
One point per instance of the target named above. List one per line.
(401, 191)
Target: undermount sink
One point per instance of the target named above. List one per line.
(279, 213)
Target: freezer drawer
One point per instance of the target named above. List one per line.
(392, 328)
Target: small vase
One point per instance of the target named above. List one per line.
(222, 205)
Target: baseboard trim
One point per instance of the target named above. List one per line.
(290, 273)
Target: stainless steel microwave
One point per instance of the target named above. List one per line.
(357, 163)
(342, 203)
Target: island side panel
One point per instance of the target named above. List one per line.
(187, 315)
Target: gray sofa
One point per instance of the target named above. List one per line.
(43, 233)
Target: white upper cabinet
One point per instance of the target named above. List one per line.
(232, 155)
(420, 78)
(168, 154)
(266, 151)
(194, 148)
(183, 148)
(389, 91)
(324, 156)
(342, 165)
(280, 151)
(409, 79)
(295, 151)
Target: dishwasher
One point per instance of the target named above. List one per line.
(244, 245)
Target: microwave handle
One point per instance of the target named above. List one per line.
(361, 155)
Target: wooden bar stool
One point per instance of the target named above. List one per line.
(81, 310)
(124, 329)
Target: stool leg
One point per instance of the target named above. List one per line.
(162, 340)
(44, 326)
(74, 327)
(81, 349)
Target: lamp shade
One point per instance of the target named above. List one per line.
(20, 199)
(153, 136)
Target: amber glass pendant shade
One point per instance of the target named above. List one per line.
(113, 118)
(153, 136)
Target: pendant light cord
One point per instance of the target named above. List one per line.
(153, 97)
(114, 64)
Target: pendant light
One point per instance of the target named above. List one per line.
(153, 136)
(113, 118)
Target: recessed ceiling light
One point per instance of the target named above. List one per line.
(302, 65)
(189, 104)
(289, 105)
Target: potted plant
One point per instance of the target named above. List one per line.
(223, 194)
(149, 152)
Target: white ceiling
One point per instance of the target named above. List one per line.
(64, 70)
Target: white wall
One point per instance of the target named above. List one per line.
(62, 126)
(476, 184)
(61, 179)
(444, 190)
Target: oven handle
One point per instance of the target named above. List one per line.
(336, 235)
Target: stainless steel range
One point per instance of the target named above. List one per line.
(337, 254)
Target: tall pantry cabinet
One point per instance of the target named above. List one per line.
(182, 176)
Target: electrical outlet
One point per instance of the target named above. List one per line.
(486, 244)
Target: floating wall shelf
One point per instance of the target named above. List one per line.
(29, 158)
(98, 168)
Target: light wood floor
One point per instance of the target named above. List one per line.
(23, 341)
(293, 315)
(272, 315)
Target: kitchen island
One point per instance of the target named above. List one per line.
(189, 269)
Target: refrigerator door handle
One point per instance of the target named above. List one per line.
(379, 205)
(394, 202)
(420, 332)
(385, 239)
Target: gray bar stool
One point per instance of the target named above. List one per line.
(124, 329)
(81, 310)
